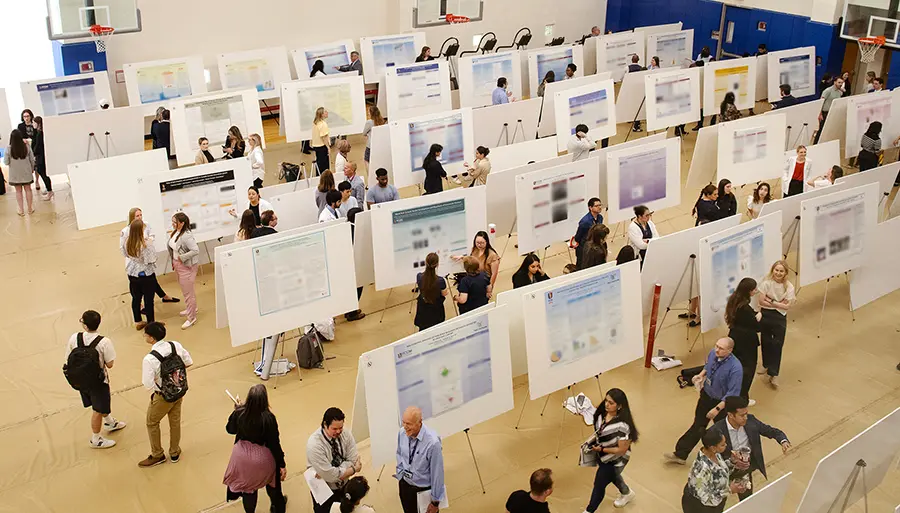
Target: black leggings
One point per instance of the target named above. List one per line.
(142, 287)
(322, 163)
(41, 168)
(249, 499)
(159, 290)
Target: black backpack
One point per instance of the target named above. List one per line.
(172, 375)
(82, 368)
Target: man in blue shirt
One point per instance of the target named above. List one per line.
(721, 378)
(500, 94)
(584, 225)
(420, 462)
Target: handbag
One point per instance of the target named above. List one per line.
(587, 456)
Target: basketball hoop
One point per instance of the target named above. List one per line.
(454, 19)
(101, 35)
(868, 46)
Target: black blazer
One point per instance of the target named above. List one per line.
(521, 279)
(754, 429)
(707, 212)
(160, 133)
(434, 171)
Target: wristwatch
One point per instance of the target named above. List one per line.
(435, 503)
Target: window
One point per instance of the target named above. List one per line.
(548, 33)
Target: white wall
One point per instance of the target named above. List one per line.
(23, 62)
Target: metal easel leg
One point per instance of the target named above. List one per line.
(688, 265)
(504, 135)
(562, 420)
(822, 316)
(547, 400)
(633, 121)
(283, 340)
(522, 411)
(385, 305)
(379, 473)
(852, 313)
(475, 460)
(321, 348)
(509, 236)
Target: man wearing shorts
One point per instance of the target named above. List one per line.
(98, 398)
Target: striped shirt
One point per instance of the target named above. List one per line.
(870, 145)
(608, 435)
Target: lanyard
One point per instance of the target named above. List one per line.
(336, 448)
(413, 447)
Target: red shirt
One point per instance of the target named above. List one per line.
(798, 171)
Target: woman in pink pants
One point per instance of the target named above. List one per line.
(185, 255)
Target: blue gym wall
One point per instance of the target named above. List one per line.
(783, 31)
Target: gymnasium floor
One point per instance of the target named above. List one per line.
(832, 387)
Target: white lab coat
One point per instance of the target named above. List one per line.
(789, 171)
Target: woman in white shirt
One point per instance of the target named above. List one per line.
(641, 230)
(353, 492)
(796, 172)
(140, 266)
(185, 256)
(759, 198)
(255, 204)
(136, 213)
(827, 179)
(776, 296)
(340, 160)
(257, 162)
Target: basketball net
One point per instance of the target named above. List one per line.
(868, 47)
(101, 35)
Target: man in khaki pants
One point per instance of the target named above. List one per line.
(155, 333)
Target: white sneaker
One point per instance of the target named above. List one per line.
(102, 443)
(183, 313)
(773, 381)
(751, 402)
(119, 424)
(188, 323)
(624, 499)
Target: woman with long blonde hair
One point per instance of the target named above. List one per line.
(776, 296)
(320, 139)
(375, 119)
(257, 162)
(140, 266)
(341, 159)
(136, 213)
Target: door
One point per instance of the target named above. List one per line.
(735, 35)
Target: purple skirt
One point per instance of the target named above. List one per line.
(250, 468)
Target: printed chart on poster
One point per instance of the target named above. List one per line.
(550, 202)
(555, 59)
(592, 105)
(580, 329)
(211, 116)
(673, 97)
(751, 149)
(411, 140)
(833, 232)
(745, 251)
(649, 175)
(478, 76)
(458, 373)
(343, 96)
(418, 89)
(264, 70)
(333, 55)
(66, 95)
(614, 52)
(383, 52)
(862, 111)
(408, 230)
(796, 67)
(149, 83)
(736, 76)
(291, 273)
(674, 49)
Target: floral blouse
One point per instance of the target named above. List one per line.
(709, 480)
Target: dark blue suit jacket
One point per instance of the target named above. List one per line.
(754, 429)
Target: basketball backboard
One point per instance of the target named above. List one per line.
(871, 18)
(72, 18)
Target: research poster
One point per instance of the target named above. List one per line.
(444, 371)
(206, 199)
(389, 52)
(795, 70)
(337, 100)
(734, 258)
(255, 73)
(554, 60)
(673, 49)
(212, 119)
(615, 52)
(583, 318)
(291, 273)
(446, 131)
(840, 227)
(673, 96)
(556, 202)
(418, 86)
(642, 178)
(750, 145)
(68, 97)
(733, 80)
(486, 70)
(437, 228)
(163, 82)
(862, 111)
(331, 56)
(591, 109)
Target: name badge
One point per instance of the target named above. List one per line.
(708, 382)
(406, 474)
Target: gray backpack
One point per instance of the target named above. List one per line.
(310, 354)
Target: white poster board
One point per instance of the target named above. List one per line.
(614, 52)
(583, 328)
(550, 202)
(5, 120)
(91, 135)
(835, 127)
(104, 190)
(411, 140)
(796, 67)
(211, 116)
(704, 160)
(673, 98)
(410, 228)
(807, 114)
(363, 259)
(656, 29)
(154, 83)
(501, 188)
(668, 263)
(768, 499)
(790, 213)
(418, 89)
(745, 251)
(864, 109)
(649, 175)
(553, 58)
(630, 104)
(519, 154)
(751, 149)
(66, 95)
(382, 52)
(547, 126)
(343, 96)
(381, 154)
(835, 231)
(877, 446)
(295, 209)
(736, 76)
(884, 176)
(274, 286)
(513, 300)
(762, 78)
(877, 276)
(593, 105)
(457, 373)
(674, 49)
(498, 124)
(263, 70)
(478, 76)
(206, 193)
(333, 55)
